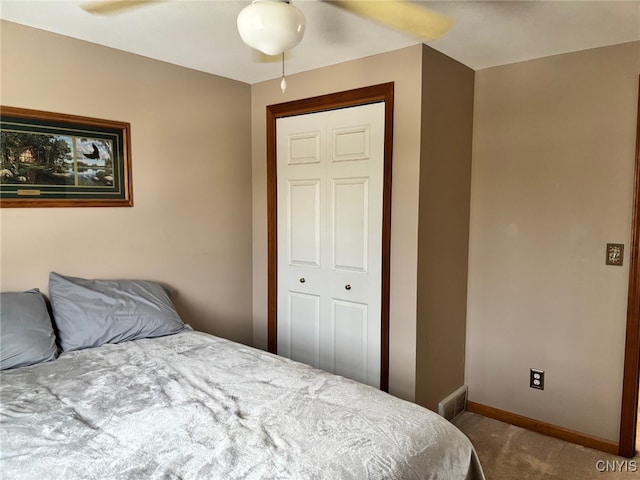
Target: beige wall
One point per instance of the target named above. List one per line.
(190, 225)
(404, 68)
(443, 230)
(553, 159)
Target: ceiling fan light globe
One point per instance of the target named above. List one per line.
(271, 26)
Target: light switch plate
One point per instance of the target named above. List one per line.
(615, 254)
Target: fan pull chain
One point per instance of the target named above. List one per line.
(283, 82)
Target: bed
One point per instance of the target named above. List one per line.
(190, 405)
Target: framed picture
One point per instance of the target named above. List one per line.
(55, 160)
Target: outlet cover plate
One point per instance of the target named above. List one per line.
(536, 378)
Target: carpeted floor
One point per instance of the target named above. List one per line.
(512, 453)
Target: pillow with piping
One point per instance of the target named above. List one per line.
(26, 333)
(89, 313)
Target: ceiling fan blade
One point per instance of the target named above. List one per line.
(400, 15)
(111, 7)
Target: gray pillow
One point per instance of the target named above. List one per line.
(90, 313)
(26, 334)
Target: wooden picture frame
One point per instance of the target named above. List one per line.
(56, 160)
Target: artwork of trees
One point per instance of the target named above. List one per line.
(50, 159)
(44, 159)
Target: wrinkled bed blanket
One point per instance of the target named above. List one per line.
(193, 406)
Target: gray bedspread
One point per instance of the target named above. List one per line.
(195, 406)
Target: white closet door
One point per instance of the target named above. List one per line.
(330, 170)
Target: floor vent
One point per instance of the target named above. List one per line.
(454, 404)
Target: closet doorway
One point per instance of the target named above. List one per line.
(353, 352)
(330, 176)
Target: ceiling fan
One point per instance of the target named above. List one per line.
(275, 26)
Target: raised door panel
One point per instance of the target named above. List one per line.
(350, 228)
(300, 339)
(351, 143)
(350, 339)
(303, 225)
(304, 148)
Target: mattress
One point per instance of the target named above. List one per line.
(194, 406)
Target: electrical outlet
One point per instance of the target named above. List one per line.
(536, 378)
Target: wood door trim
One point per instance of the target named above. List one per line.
(631, 376)
(350, 98)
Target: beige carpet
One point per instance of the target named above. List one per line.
(512, 453)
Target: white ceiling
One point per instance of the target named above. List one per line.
(201, 34)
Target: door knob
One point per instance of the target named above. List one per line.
(347, 287)
(302, 280)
